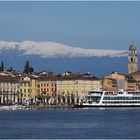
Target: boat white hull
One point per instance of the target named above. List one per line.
(108, 105)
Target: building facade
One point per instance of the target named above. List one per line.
(136, 77)
(109, 83)
(121, 81)
(9, 90)
(48, 87)
(29, 89)
(48, 90)
(118, 80)
(73, 89)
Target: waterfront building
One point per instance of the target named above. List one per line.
(109, 83)
(29, 89)
(115, 75)
(74, 88)
(136, 76)
(132, 59)
(120, 81)
(131, 84)
(9, 90)
(48, 88)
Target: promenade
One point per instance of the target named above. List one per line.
(35, 107)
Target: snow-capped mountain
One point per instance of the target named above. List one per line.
(53, 49)
(59, 57)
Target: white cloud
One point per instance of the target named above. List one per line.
(53, 49)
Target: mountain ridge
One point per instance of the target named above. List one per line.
(53, 49)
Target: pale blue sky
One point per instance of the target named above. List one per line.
(107, 25)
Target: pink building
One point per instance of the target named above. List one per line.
(48, 86)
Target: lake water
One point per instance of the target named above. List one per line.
(70, 123)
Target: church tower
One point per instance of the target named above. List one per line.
(132, 58)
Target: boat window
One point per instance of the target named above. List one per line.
(90, 102)
(106, 98)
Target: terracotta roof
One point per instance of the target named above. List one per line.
(115, 73)
(79, 77)
(48, 78)
(107, 78)
(8, 79)
(135, 73)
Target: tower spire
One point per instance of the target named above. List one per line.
(132, 58)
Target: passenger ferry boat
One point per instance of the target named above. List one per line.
(111, 99)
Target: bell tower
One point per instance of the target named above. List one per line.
(132, 59)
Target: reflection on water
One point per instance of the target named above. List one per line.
(71, 123)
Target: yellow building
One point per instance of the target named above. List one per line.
(116, 75)
(76, 87)
(29, 89)
(109, 83)
(120, 80)
(123, 81)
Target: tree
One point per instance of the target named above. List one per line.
(27, 68)
(11, 69)
(2, 66)
(31, 70)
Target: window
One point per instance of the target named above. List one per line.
(24, 90)
(41, 89)
(28, 90)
